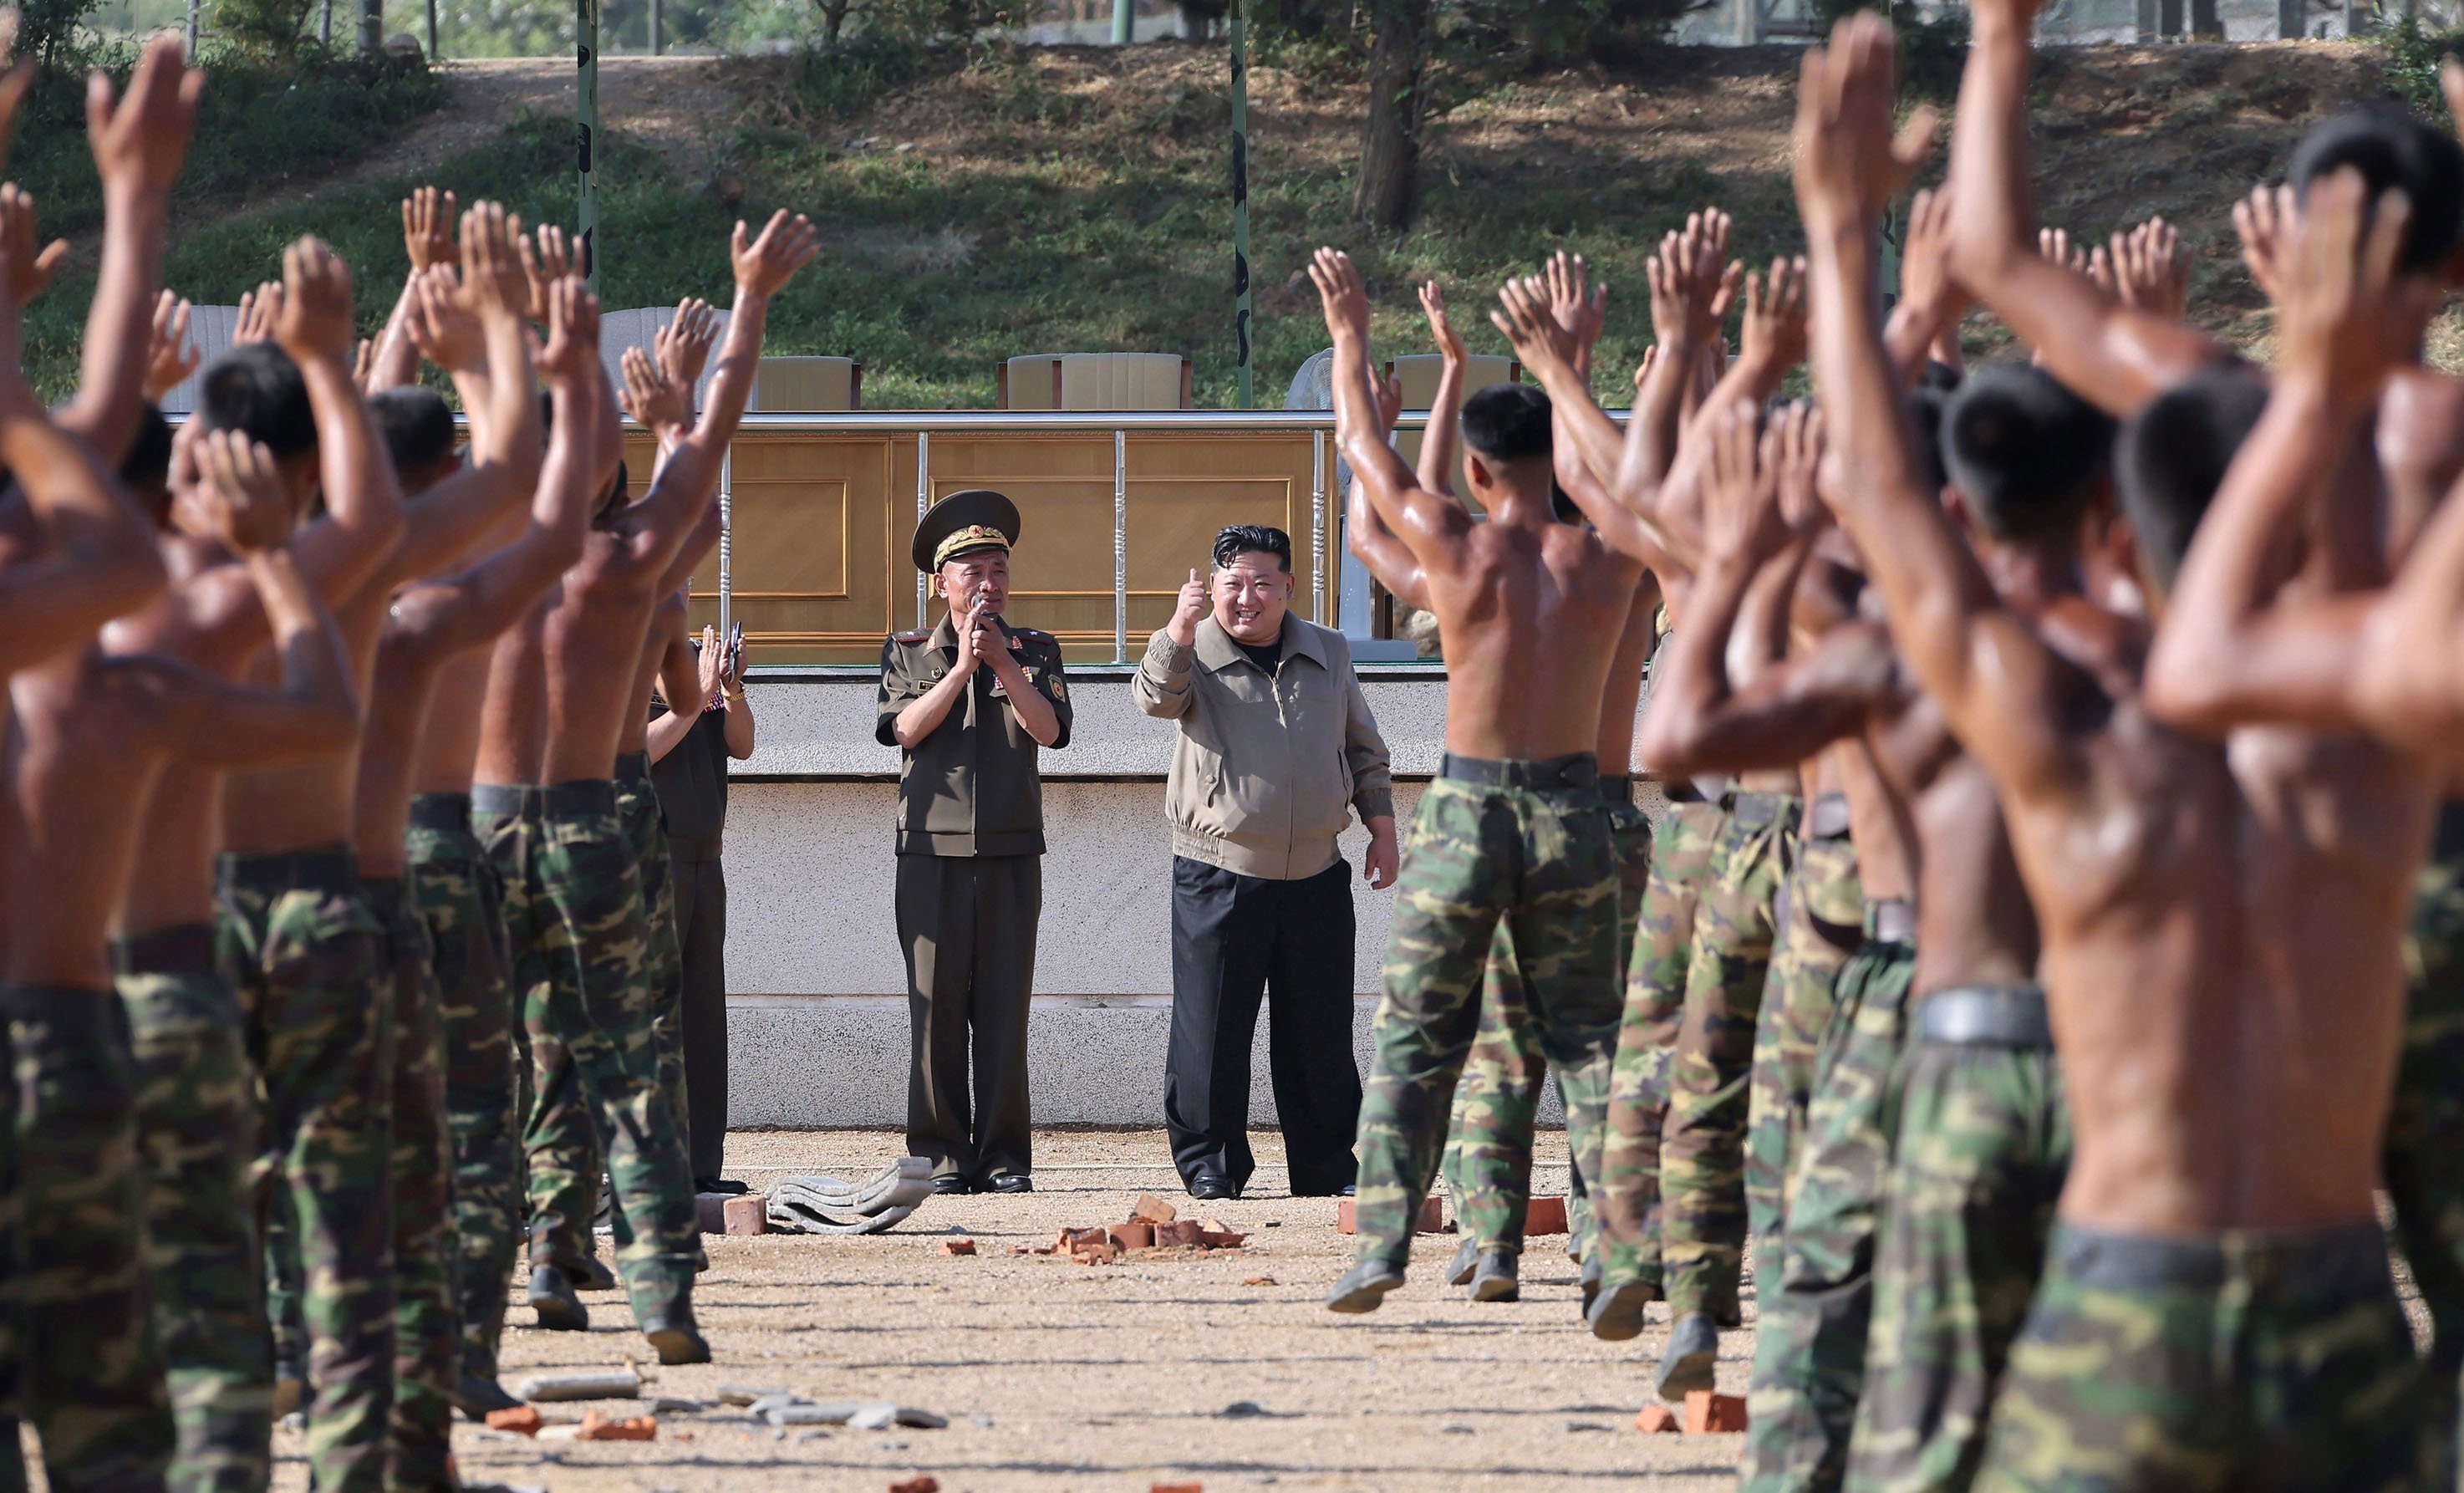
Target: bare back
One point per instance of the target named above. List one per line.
(307, 804)
(1621, 702)
(592, 648)
(449, 737)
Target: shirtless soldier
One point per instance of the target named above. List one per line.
(2217, 1309)
(1513, 831)
(543, 803)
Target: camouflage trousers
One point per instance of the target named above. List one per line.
(1524, 846)
(2246, 1360)
(1625, 1201)
(2424, 1163)
(196, 1138)
(1982, 1144)
(1810, 1341)
(1487, 1163)
(1819, 913)
(78, 1349)
(1703, 1152)
(573, 916)
(637, 805)
(462, 902)
(425, 1253)
(305, 951)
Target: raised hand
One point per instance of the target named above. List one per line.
(441, 325)
(765, 265)
(258, 310)
(2150, 270)
(1522, 316)
(1576, 304)
(1773, 333)
(2350, 315)
(1924, 260)
(315, 318)
(546, 260)
(428, 218)
(495, 282)
(1692, 282)
(1441, 328)
(682, 347)
(1341, 294)
(241, 492)
(1740, 493)
(1189, 611)
(140, 139)
(1792, 451)
(172, 357)
(1850, 162)
(650, 398)
(2053, 245)
(571, 352)
(2266, 222)
(711, 661)
(30, 269)
(363, 365)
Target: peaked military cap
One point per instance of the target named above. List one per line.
(964, 523)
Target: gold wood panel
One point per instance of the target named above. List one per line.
(821, 524)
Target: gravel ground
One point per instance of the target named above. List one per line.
(1055, 1375)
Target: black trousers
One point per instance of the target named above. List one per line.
(1235, 939)
(968, 925)
(702, 936)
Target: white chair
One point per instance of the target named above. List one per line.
(639, 328)
(209, 331)
(808, 385)
(1095, 381)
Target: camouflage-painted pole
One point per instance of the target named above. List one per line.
(1242, 304)
(585, 51)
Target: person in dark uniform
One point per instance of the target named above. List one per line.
(970, 703)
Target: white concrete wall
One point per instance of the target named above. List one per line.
(817, 984)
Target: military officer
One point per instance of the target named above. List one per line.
(970, 703)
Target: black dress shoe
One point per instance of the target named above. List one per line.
(1212, 1187)
(1015, 1182)
(1347, 1190)
(949, 1184)
(724, 1186)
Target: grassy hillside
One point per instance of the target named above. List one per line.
(1077, 199)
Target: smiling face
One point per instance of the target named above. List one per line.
(981, 575)
(1252, 593)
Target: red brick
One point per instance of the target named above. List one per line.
(1260, 1280)
(1708, 1414)
(1545, 1216)
(922, 1485)
(596, 1427)
(1132, 1235)
(1220, 1239)
(1215, 1226)
(1433, 1216)
(1152, 1209)
(1347, 1221)
(958, 1246)
(710, 1211)
(1656, 1421)
(1072, 1240)
(521, 1419)
(749, 1214)
(1180, 1234)
(1176, 1487)
(1100, 1253)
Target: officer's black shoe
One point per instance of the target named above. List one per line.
(591, 1275)
(1347, 1190)
(724, 1186)
(552, 1299)
(1363, 1287)
(1497, 1278)
(949, 1184)
(477, 1398)
(1015, 1182)
(1212, 1187)
(1616, 1312)
(1693, 1352)
(1466, 1260)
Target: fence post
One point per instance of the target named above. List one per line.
(1120, 546)
(1317, 527)
(726, 540)
(923, 501)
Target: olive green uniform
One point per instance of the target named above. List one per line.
(970, 890)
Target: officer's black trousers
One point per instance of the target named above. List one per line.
(1235, 939)
(968, 925)
(701, 935)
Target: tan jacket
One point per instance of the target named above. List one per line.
(1266, 768)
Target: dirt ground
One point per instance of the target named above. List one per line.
(1108, 1379)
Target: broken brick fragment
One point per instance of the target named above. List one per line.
(521, 1420)
(1543, 1216)
(1656, 1421)
(1099, 1253)
(958, 1246)
(1180, 1234)
(922, 1485)
(749, 1214)
(1072, 1241)
(1150, 1209)
(1132, 1235)
(1176, 1487)
(1260, 1280)
(1220, 1239)
(1709, 1413)
(596, 1427)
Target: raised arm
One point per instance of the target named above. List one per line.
(1925, 325)
(682, 488)
(429, 218)
(1438, 441)
(2114, 355)
(363, 520)
(1988, 672)
(2236, 646)
(139, 142)
(1417, 516)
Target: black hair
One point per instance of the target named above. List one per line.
(2172, 456)
(256, 389)
(148, 462)
(1508, 423)
(1939, 375)
(1925, 413)
(1242, 538)
(2391, 148)
(2027, 454)
(418, 428)
(618, 497)
(1562, 504)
